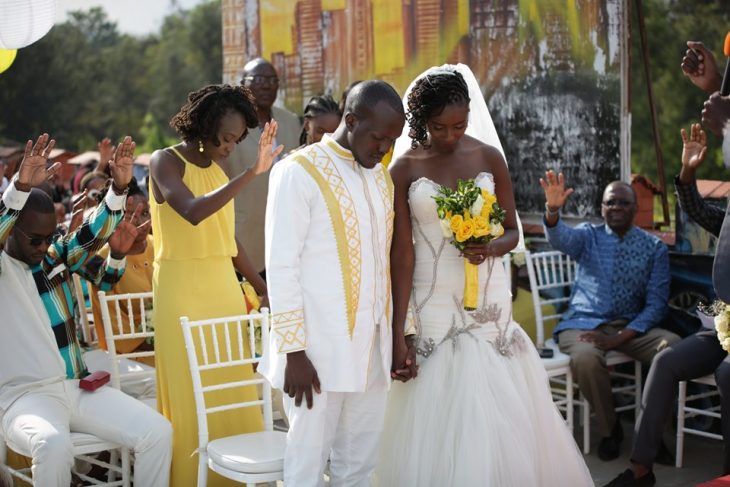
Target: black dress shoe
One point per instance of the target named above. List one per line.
(609, 449)
(626, 479)
(610, 446)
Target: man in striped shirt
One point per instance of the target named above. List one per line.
(40, 362)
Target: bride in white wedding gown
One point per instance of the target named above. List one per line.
(479, 412)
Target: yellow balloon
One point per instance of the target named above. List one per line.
(7, 56)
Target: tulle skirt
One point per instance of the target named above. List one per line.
(480, 413)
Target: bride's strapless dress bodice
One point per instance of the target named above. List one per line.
(438, 281)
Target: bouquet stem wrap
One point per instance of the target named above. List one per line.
(471, 285)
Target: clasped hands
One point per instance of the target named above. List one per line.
(404, 367)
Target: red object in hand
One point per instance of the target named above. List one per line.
(94, 381)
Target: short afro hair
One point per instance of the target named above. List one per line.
(429, 97)
(365, 95)
(199, 118)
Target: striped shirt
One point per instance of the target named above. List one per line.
(707, 216)
(66, 255)
(618, 278)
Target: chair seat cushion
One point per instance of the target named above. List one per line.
(250, 453)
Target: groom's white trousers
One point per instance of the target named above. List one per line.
(38, 425)
(342, 426)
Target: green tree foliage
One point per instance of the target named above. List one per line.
(85, 80)
(669, 24)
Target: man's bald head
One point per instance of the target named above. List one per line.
(261, 78)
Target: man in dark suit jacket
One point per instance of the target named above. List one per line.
(700, 354)
(261, 78)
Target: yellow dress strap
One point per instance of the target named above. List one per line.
(177, 152)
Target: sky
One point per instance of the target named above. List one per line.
(136, 17)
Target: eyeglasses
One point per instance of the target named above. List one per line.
(260, 79)
(617, 203)
(37, 241)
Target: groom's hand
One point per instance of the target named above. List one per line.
(300, 377)
(404, 360)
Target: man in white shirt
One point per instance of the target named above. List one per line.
(329, 225)
(40, 403)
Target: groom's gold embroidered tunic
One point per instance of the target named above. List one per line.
(329, 226)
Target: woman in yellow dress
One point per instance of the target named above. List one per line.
(191, 203)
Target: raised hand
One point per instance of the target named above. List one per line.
(106, 151)
(555, 192)
(34, 168)
(122, 162)
(699, 65)
(694, 147)
(126, 232)
(267, 154)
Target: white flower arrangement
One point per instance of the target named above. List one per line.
(721, 312)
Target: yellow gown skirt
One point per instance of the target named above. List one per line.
(199, 289)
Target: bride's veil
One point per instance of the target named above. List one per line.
(481, 126)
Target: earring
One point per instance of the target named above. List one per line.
(200, 146)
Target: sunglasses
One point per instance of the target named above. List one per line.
(37, 241)
(94, 194)
(617, 203)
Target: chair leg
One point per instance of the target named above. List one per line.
(126, 469)
(111, 475)
(586, 426)
(637, 391)
(681, 401)
(202, 469)
(569, 399)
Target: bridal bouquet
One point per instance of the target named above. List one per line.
(469, 214)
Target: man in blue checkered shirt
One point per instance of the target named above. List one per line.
(618, 300)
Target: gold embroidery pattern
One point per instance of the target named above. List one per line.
(385, 187)
(290, 334)
(345, 225)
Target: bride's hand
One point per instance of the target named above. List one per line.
(477, 253)
(404, 360)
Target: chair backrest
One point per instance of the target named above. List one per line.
(86, 317)
(552, 275)
(220, 343)
(125, 317)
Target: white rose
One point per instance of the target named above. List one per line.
(496, 230)
(446, 228)
(722, 323)
(519, 258)
(726, 344)
(476, 207)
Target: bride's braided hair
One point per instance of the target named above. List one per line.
(429, 97)
(200, 117)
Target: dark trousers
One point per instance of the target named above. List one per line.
(696, 356)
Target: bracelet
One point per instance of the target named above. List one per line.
(550, 212)
(121, 192)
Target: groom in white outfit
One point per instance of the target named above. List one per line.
(329, 225)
